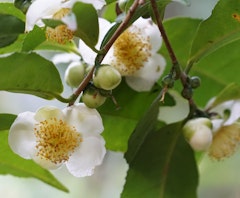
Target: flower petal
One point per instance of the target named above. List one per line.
(90, 154)
(97, 4)
(47, 164)
(151, 30)
(48, 112)
(40, 9)
(21, 137)
(144, 79)
(85, 120)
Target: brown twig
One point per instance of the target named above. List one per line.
(105, 50)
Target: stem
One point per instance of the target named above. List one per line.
(176, 68)
(105, 50)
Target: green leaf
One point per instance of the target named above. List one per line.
(217, 71)
(14, 47)
(54, 46)
(52, 22)
(145, 125)
(9, 8)
(120, 123)
(230, 92)
(11, 27)
(87, 23)
(33, 39)
(221, 28)
(30, 74)
(6, 121)
(164, 167)
(10, 163)
(22, 5)
(181, 32)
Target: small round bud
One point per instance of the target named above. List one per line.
(187, 93)
(92, 98)
(198, 133)
(107, 77)
(168, 81)
(75, 74)
(195, 82)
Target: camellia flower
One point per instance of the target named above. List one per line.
(134, 53)
(52, 137)
(226, 129)
(40, 9)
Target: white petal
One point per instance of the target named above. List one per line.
(151, 30)
(97, 4)
(47, 164)
(40, 9)
(71, 21)
(90, 154)
(144, 79)
(21, 137)
(87, 53)
(48, 112)
(85, 120)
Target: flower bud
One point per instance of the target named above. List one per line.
(92, 98)
(198, 133)
(168, 81)
(195, 82)
(107, 77)
(75, 74)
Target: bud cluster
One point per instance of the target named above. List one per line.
(105, 78)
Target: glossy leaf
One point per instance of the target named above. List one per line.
(33, 39)
(6, 121)
(164, 167)
(87, 23)
(11, 27)
(9, 8)
(14, 47)
(120, 123)
(145, 125)
(217, 71)
(230, 92)
(221, 28)
(10, 163)
(52, 22)
(30, 74)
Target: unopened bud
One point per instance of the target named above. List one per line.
(92, 98)
(195, 82)
(198, 133)
(107, 77)
(75, 74)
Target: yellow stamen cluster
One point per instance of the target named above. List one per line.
(131, 50)
(61, 33)
(56, 140)
(225, 142)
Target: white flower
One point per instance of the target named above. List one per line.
(226, 128)
(134, 53)
(40, 9)
(52, 137)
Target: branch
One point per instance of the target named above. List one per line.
(105, 49)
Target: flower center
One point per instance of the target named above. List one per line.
(131, 50)
(56, 140)
(61, 33)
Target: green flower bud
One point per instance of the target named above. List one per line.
(187, 93)
(107, 77)
(168, 81)
(195, 82)
(92, 98)
(198, 133)
(75, 74)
